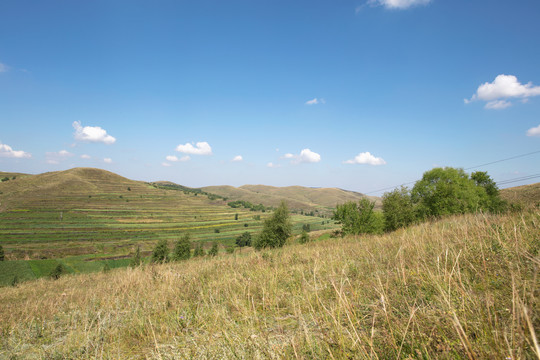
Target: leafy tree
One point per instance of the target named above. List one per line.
(198, 251)
(306, 227)
(244, 239)
(182, 248)
(58, 271)
(493, 202)
(161, 252)
(2, 255)
(357, 218)
(398, 209)
(276, 229)
(304, 237)
(235, 216)
(213, 250)
(136, 260)
(445, 191)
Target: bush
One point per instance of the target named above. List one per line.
(216, 231)
(199, 251)
(276, 229)
(136, 260)
(58, 271)
(358, 218)
(306, 227)
(2, 254)
(182, 248)
(398, 209)
(214, 250)
(304, 237)
(161, 252)
(244, 239)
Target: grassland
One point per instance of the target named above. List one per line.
(86, 218)
(461, 287)
(299, 198)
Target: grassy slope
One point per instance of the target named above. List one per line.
(298, 197)
(462, 287)
(528, 195)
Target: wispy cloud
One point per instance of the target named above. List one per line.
(200, 148)
(534, 131)
(107, 160)
(497, 93)
(397, 4)
(92, 134)
(165, 164)
(85, 156)
(315, 101)
(366, 158)
(3, 68)
(57, 157)
(272, 165)
(237, 158)
(174, 158)
(8, 152)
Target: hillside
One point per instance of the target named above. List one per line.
(464, 287)
(298, 197)
(85, 211)
(528, 195)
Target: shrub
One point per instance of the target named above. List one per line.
(276, 229)
(182, 248)
(244, 239)
(2, 254)
(214, 250)
(235, 216)
(304, 237)
(306, 227)
(358, 218)
(398, 209)
(136, 260)
(199, 251)
(58, 271)
(161, 252)
(216, 231)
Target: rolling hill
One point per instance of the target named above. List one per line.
(298, 197)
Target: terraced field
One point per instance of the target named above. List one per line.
(89, 217)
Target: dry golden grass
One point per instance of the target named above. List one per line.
(462, 287)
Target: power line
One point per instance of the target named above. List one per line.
(524, 178)
(469, 168)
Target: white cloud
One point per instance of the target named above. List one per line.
(399, 4)
(237, 158)
(3, 68)
(366, 158)
(272, 165)
(502, 88)
(7, 151)
(315, 101)
(174, 158)
(534, 131)
(165, 164)
(200, 148)
(57, 157)
(305, 156)
(107, 160)
(92, 134)
(84, 156)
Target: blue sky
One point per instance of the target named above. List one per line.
(360, 95)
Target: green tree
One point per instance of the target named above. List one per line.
(2, 254)
(213, 250)
(198, 251)
(446, 191)
(244, 239)
(235, 216)
(276, 229)
(492, 201)
(160, 253)
(182, 248)
(58, 271)
(304, 237)
(398, 209)
(136, 260)
(357, 218)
